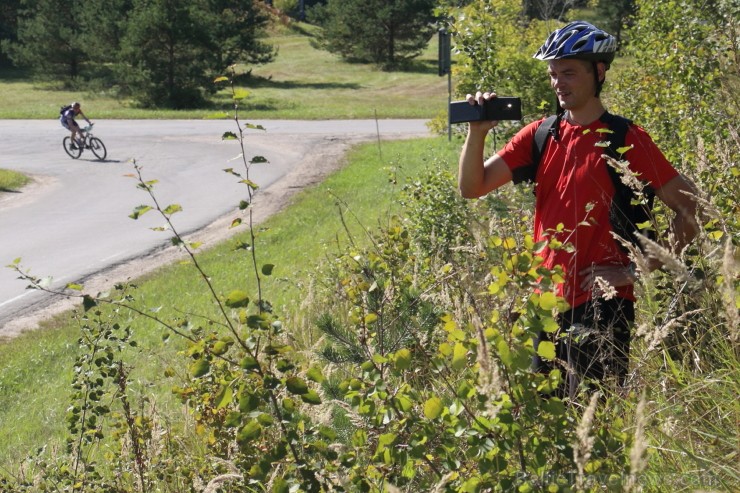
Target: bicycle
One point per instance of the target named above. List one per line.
(88, 142)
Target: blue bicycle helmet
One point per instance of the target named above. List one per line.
(580, 40)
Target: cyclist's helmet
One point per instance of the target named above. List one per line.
(75, 105)
(580, 40)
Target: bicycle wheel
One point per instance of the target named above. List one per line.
(98, 148)
(73, 153)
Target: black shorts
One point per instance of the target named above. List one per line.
(66, 125)
(592, 343)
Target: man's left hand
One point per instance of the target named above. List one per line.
(615, 275)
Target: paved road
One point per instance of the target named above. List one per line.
(76, 222)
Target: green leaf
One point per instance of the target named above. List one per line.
(404, 403)
(237, 299)
(236, 222)
(240, 94)
(550, 325)
(403, 359)
(200, 368)
(229, 136)
(546, 350)
(433, 408)
(314, 374)
(296, 385)
(233, 419)
(504, 353)
(224, 397)
(254, 126)
(548, 300)
(459, 356)
(74, 286)
(249, 363)
(248, 402)
(267, 269)
(624, 149)
(258, 160)
(171, 209)
(289, 405)
(220, 347)
(273, 349)
(249, 432)
(379, 359)
(139, 211)
(328, 433)
(221, 79)
(281, 486)
(250, 183)
(311, 397)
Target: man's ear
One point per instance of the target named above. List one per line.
(601, 69)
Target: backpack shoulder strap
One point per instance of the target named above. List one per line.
(619, 127)
(543, 132)
(626, 214)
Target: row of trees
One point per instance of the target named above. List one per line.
(167, 52)
(386, 33)
(390, 33)
(161, 52)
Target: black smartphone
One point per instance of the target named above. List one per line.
(498, 108)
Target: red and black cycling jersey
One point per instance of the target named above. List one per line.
(574, 196)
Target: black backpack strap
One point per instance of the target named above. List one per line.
(629, 209)
(546, 129)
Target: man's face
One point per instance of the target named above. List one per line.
(573, 82)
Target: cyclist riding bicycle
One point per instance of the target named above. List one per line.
(67, 120)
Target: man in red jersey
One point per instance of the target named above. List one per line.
(574, 189)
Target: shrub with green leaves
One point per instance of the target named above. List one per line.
(494, 46)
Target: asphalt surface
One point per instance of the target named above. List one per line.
(73, 222)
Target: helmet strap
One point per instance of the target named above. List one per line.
(599, 82)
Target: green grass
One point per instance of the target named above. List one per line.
(12, 181)
(302, 83)
(37, 366)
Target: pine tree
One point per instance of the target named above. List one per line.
(385, 32)
(171, 50)
(236, 29)
(8, 26)
(48, 39)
